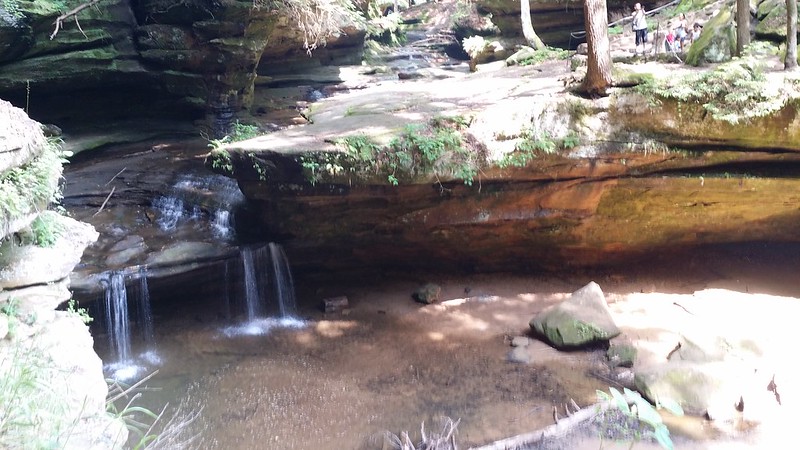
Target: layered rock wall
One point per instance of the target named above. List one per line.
(53, 388)
(142, 59)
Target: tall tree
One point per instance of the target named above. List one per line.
(527, 26)
(743, 25)
(598, 72)
(791, 35)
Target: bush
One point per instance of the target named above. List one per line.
(732, 92)
(436, 148)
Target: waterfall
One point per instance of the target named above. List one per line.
(268, 291)
(116, 314)
(121, 327)
(282, 281)
(145, 311)
(194, 197)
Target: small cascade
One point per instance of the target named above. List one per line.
(145, 319)
(195, 197)
(121, 327)
(254, 281)
(268, 291)
(116, 314)
(282, 281)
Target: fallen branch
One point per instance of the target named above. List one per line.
(105, 201)
(72, 13)
(115, 176)
(563, 427)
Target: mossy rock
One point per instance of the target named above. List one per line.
(621, 354)
(717, 42)
(428, 293)
(771, 16)
(581, 320)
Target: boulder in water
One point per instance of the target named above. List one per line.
(582, 319)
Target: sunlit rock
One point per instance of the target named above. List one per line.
(582, 319)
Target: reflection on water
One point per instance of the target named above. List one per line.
(260, 327)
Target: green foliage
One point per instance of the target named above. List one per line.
(616, 30)
(221, 161)
(239, 132)
(546, 54)
(732, 92)
(31, 414)
(258, 166)
(11, 8)
(45, 230)
(25, 188)
(535, 144)
(243, 132)
(633, 405)
(385, 29)
(81, 313)
(435, 148)
(135, 417)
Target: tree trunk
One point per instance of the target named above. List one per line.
(527, 26)
(598, 72)
(743, 25)
(791, 35)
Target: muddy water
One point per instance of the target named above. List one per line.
(343, 381)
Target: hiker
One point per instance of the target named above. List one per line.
(697, 29)
(681, 31)
(669, 42)
(639, 27)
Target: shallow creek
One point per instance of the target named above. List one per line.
(386, 364)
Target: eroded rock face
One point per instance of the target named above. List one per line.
(53, 384)
(149, 58)
(552, 20)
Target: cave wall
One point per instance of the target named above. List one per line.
(145, 58)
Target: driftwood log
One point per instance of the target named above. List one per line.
(559, 429)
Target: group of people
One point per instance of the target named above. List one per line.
(677, 38)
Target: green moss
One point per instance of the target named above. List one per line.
(25, 189)
(732, 92)
(435, 149)
(717, 41)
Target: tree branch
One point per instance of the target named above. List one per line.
(71, 13)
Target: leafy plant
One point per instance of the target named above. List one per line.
(258, 167)
(27, 402)
(384, 28)
(732, 92)
(221, 160)
(435, 148)
(615, 30)
(546, 54)
(243, 132)
(81, 313)
(633, 405)
(26, 188)
(535, 144)
(45, 230)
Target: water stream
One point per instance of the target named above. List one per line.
(125, 329)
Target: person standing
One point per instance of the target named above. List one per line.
(681, 31)
(639, 27)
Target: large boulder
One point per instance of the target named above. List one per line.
(21, 139)
(717, 42)
(771, 20)
(582, 319)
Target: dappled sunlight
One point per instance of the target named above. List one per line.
(334, 328)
